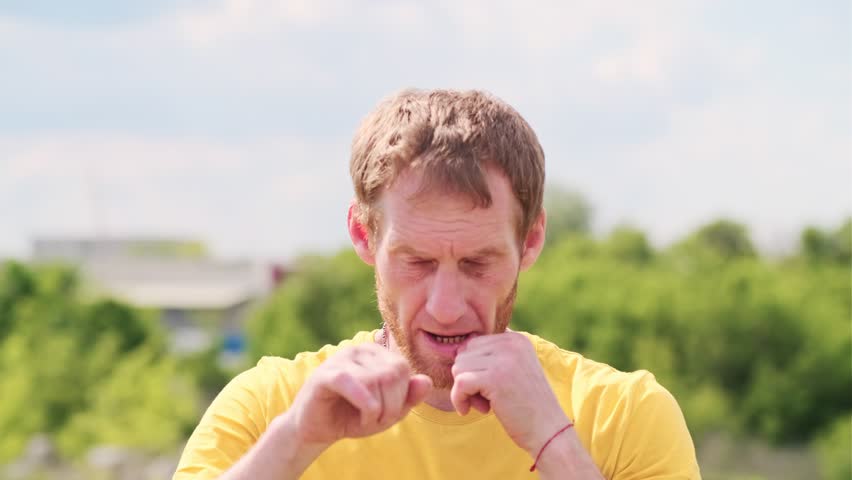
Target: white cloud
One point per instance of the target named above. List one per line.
(269, 196)
(662, 114)
(214, 24)
(774, 166)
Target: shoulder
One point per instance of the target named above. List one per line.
(241, 412)
(288, 375)
(628, 415)
(600, 394)
(307, 361)
(587, 377)
(270, 386)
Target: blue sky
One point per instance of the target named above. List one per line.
(230, 120)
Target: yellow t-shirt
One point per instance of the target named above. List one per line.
(631, 426)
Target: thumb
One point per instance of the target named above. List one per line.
(418, 387)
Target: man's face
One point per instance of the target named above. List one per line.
(445, 270)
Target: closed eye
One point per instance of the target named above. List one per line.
(419, 262)
(475, 266)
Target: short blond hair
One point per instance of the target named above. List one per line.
(450, 136)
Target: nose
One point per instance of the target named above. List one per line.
(446, 303)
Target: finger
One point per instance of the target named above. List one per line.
(481, 344)
(364, 355)
(381, 395)
(356, 393)
(480, 403)
(393, 373)
(471, 363)
(367, 377)
(475, 350)
(418, 387)
(394, 388)
(466, 385)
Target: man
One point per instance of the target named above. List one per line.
(448, 212)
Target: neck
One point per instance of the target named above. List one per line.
(440, 399)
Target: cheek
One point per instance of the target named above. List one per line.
(491, 293)
(407, 294)
(497, 283)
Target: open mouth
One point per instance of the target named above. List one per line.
(447, 339)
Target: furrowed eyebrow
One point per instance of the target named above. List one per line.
(486, 252)
(405, 250)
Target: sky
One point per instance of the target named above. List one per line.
(230, 121)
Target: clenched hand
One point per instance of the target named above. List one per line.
(360, 391)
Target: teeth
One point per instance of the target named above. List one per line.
(455, 339)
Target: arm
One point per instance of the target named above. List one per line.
(341, 399)
(652, 442)
(278, 455)
(566, 457)
(502, 372)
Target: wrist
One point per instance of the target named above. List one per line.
(547, 435)
(285, 429)
(565, 456)
(547, 428)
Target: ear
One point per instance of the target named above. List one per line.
(534, 241)
(359, 234)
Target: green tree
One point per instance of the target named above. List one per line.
(818, 246)
(67, 367)
(568, 212)
(746, 344)
(145, 404)
(629, 245)
(834, 447)
(724, 239)
(323, 301)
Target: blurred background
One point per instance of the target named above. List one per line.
(174, 184)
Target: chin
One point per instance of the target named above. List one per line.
(442, 376)
(440, 370)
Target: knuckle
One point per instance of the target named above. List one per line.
(388, 377)
(339, 376)
(517, 343)
(394, 370)
(402, 367)
(351, 350)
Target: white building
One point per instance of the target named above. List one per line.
(200, 299)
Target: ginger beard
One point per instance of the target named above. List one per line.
(439, 370)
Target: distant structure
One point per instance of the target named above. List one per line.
(200, 299)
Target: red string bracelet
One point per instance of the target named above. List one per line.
(566, 427)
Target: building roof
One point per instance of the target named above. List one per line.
(163, 273)
(179, 284)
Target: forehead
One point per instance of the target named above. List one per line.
(412, 217)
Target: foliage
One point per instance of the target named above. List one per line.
(328, 299)
(747, 345)
(757, 338)
(568, 212)
(833, 446)
(69, 365)
(820, 246)
(144, 403)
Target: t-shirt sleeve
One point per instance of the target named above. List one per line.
(230, 426)
(656, 443)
